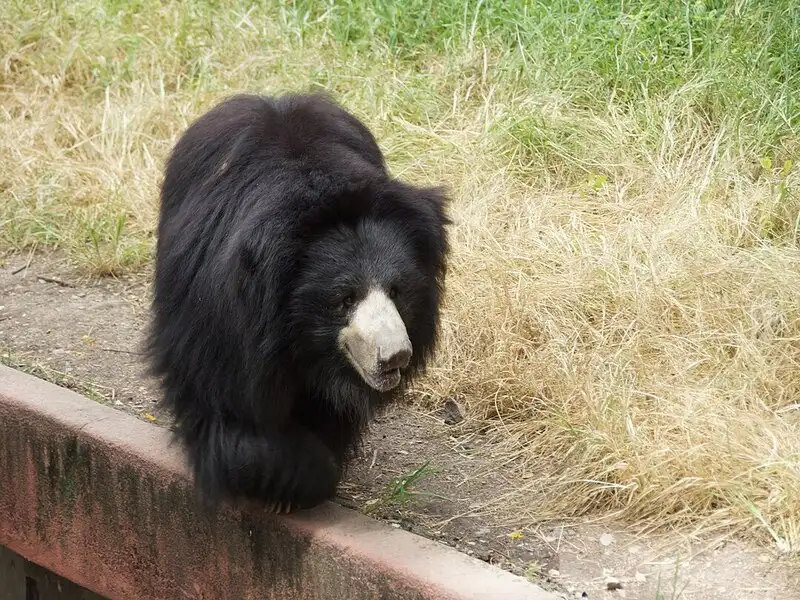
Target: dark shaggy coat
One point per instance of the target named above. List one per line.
(276, 214)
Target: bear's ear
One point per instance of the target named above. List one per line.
(428, 220)
(437, 198)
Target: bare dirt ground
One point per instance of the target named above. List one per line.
(87, 334)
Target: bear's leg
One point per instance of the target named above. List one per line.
(287, 469)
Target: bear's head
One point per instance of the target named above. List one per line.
(365, 304)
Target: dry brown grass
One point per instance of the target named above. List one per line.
(635, 345)
(636, 348)
(623, 301)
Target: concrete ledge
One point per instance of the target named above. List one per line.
(101, 499)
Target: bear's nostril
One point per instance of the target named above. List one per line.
(398, 360)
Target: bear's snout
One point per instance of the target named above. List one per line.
(376, 341)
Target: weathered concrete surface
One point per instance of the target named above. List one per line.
(103, 500)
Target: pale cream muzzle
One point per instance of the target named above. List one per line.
(376, 341)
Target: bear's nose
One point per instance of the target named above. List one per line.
(394, 356)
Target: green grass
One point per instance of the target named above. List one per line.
(403, 489)
(622, 306)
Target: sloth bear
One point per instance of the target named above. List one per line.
(297, 291)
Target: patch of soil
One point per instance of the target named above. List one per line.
(87, 335)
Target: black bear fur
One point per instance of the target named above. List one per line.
(275, 215)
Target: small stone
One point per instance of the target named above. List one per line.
(483, 554)
(606, 539)
(453, 412)
(554, 573)
(613, 584)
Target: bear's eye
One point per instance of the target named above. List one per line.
(347, 301)
(394, 292)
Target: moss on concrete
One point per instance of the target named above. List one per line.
(90, 499)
